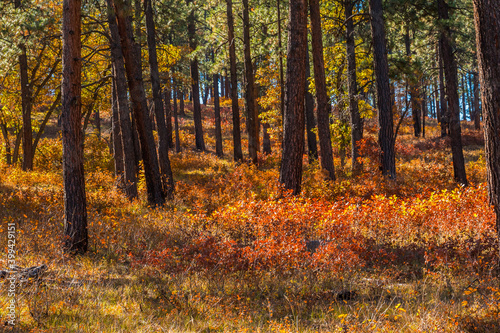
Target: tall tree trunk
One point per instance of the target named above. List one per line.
(385, 120)
(293, 136)
(195, 82)
(280, 54)
(477, 110)
(168, 114)
(442, 97)
(323, 105)
(238, 154)
(135, 81)
(126, 129)
(486, 14)
(165, 136)
(312, 144)
(182, 113)
(176, 122)
(356, 125)
(218, 126)
(415, 107)
(252, 112)
(424, 106)
(450, 72)
(5, 133)
(75, 204)
(26, 97)
(437, 90)
(117, 138)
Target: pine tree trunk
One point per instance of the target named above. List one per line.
(195, 82)
(117, 138)
(323, 104)
(75, 204)
(293, 136)
(176, 123)
(312, 144)
(168, 114)
(26, 108)
(251, 107)
(238, 154)
(131, 53)
(477, 110)
(182, 112)
(450, 72)
(386, 132)
(486, 14)
(442, 97)
(164, 131)
(356, 126)
(218, 127)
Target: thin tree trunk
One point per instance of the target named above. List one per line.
(356, 126)
(182, 113)
(238, 154)
(117, 138)
(280, 54)
(218, 127)
(424, 106)
(26, 107)
(293, 136)
(176, 122)
(5, 134)
(450, 72)
(137, 94)
(477, 110)
(323, 105)
(386, 132)
(312, 144)
(195, 82)
(130, 151)
(75, 204)
(442, 97)
(251, 107)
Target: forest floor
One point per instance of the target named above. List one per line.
(231, 254)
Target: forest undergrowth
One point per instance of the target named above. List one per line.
(232, 253)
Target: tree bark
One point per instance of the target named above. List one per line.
(477, 110)
(450, 72)
(176, 122)
(75, 204)
(312, 144)
(293, 136)
(280, 55)
(195, 82)
(117, 138)
(442, 97)
(238, 154)
(164, 130)
(486, 14)
(133, 68)
(126, 129)
(385, 119)
(253, 126)
(218, 128)
(356, 125)
(26, 97)
(182, 113)
(323, 105)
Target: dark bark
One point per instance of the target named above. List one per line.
(238, 154)
(164, 130)
(280, 54)
(218, 127)
(131, 53)
(442, 97)
(253, 126)
(410, 81)
(293, 127)
(130, 152)
(312, 144)
(27, 104)
(182, 113)
(486, 14)
(424, 107)
(117, 138)
(195, 82)
(5, 133)
(381, 69)
(323, 104)
(477, 110)
(75, 204)
(176, 123)
(450, 72)
(168, 115)
(356, 125)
